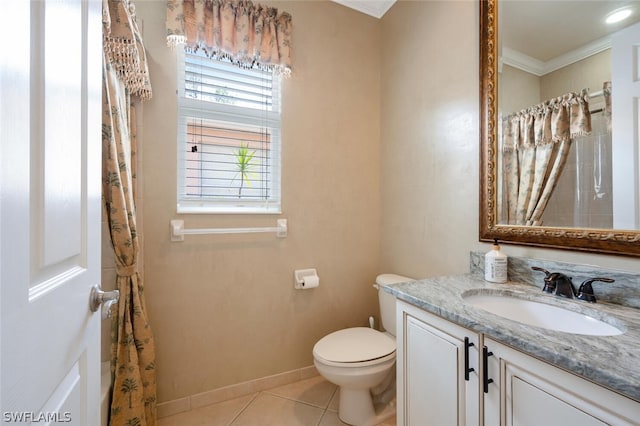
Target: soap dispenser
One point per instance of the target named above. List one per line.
(495, 264)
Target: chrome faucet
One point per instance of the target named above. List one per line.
(561, 285)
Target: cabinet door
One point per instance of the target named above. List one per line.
(431, 372)
(491, 388)
(431, 364)
(532, 392)
(530, 405)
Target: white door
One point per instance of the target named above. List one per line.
(625, 107)
(50, 158)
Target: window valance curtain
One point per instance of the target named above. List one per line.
(557, 120)
(238, 30)
(123, 47)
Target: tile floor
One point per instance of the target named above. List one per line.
(309, 402)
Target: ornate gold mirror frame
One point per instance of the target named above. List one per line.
(609, 241)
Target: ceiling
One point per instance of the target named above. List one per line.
(375, 8)
(552, 34)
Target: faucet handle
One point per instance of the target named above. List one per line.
(549, 283)
(585, 292)
(537, 268)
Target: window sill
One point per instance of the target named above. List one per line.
(200, 209)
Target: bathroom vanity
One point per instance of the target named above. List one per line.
(460, 364)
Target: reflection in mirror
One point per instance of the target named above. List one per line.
(559, 154)
(555, 156)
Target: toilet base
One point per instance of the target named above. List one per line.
(357, 408)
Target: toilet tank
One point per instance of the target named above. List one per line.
(388, 301)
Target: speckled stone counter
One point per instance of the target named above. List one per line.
(611, 361)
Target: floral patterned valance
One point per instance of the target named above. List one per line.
(557, 120)
(238, 30)
(123, 47)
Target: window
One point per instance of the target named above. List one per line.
(228, 137)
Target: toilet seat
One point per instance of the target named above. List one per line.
(354, 346)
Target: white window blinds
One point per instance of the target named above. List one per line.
(228, 137)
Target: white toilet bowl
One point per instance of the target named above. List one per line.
(356, 359)
(360, 359)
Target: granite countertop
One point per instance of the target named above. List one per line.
(611, 361)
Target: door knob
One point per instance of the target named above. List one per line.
(106, 298)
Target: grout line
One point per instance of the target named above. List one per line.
(297, 400)
(326, 409)
(218, 395)
(332, 396)
(243, 409)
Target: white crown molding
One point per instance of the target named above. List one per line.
(375, 8)
(526, 63)
(533, 66)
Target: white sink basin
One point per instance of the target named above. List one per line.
(540, 314)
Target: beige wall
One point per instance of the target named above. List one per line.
(429, 133)
(380, 174)
(223, 307)
(526, 89)
(588, 73)
(522, 87)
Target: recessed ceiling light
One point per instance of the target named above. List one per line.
(618, 15)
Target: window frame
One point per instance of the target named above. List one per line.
(227, 114)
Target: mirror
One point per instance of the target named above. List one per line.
(496, 103)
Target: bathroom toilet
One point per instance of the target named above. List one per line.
(361, 361)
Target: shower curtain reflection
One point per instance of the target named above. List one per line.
(535, 146)
(583, 196)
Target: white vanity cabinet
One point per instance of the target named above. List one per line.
(437, 366)
(445, 379)
(528, 392)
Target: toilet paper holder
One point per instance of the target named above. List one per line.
(305, 278)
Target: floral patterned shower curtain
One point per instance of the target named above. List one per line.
(125, 76)
(536, 143)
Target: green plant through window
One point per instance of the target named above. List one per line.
(244, 164)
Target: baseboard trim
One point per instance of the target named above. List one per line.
(214, 396)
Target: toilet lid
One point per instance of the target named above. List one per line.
(356, 344)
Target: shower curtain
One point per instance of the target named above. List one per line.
(586, 185)
(125, 75)
(536, 143)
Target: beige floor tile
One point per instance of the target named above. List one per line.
(309, 402)
(211, 415)
(315, 391)
(335, 401)
(388, 422)
(271, 410)
(331, 418)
